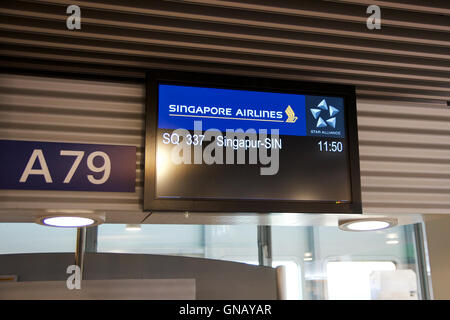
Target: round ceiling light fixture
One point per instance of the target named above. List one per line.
(70, 221)
(370, 224)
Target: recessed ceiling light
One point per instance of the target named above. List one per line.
(133, 227)
(366, 224)
(392, 236)
(392, 242)
(66, 221)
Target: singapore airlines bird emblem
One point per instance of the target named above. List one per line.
(291, 115)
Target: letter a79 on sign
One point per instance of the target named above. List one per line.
(33, 165)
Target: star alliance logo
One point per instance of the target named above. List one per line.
(329, 112)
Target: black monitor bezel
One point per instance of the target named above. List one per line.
(152, 203)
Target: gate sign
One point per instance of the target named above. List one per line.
(34, 165)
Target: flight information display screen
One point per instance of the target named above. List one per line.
(236, 145)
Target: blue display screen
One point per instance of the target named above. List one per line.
(217, 143)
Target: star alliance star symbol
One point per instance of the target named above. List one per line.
(330, 113)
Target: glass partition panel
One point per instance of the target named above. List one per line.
(182, 240)
(34, 238)
(222, 242)
(338, 264)
(320, 262)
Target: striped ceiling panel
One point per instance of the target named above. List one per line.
(401, 73)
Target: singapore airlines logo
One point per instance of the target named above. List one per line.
(291, 115)
(329, 112)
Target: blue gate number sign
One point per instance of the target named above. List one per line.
(34, 165)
